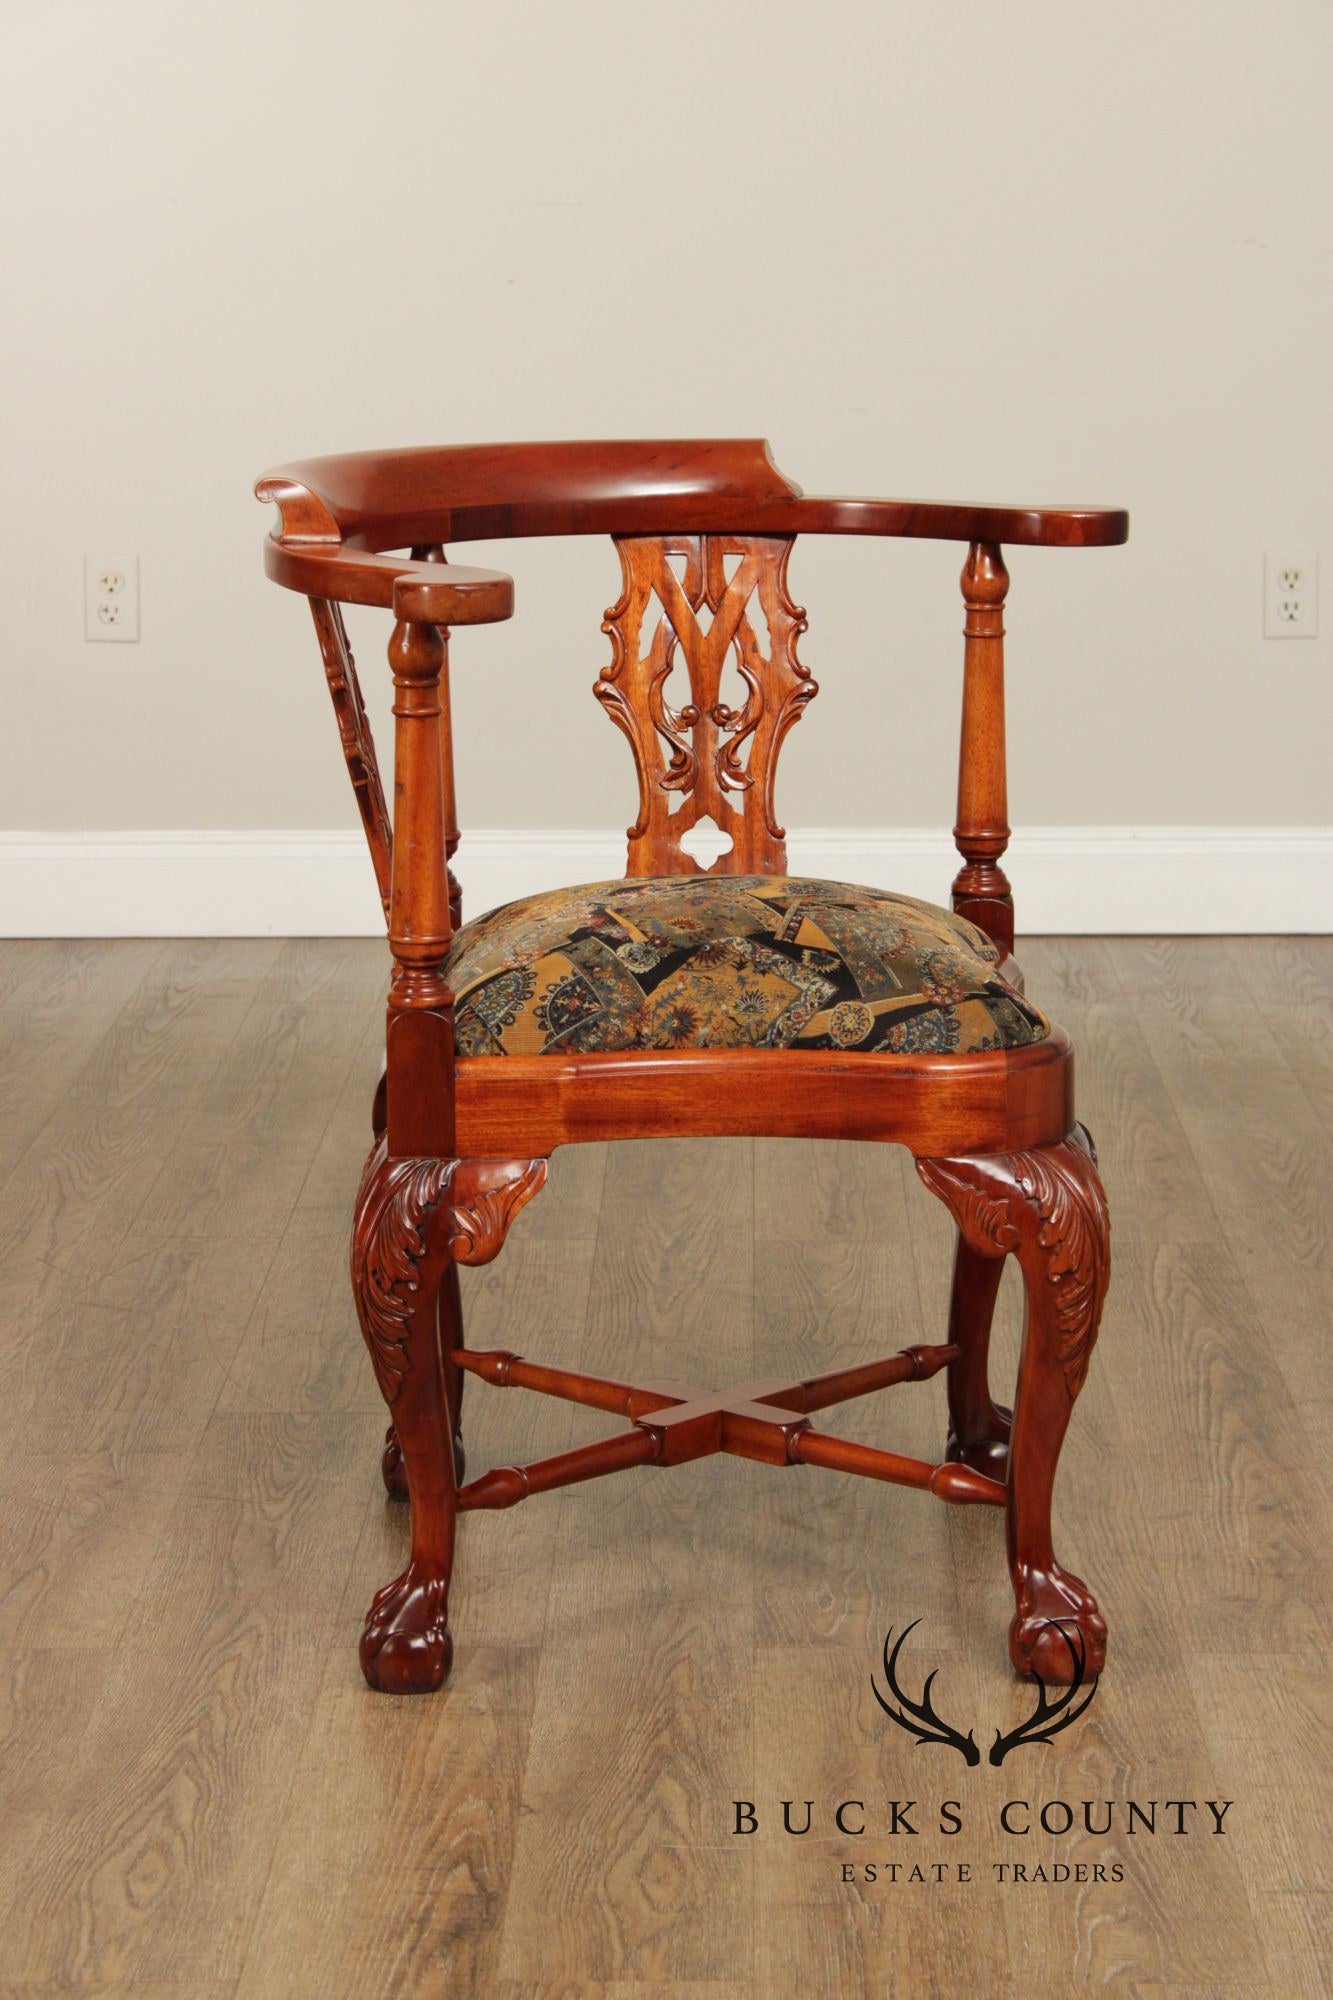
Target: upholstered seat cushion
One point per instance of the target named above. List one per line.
(741, 961)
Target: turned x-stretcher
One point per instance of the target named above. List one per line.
(672, 1423)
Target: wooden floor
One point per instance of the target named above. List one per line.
(199, 1797)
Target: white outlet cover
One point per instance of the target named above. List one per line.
(1291, 594)
(111, 599)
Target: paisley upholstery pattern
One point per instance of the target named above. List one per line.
(741, 961)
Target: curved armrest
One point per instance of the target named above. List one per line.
(438, 593)
(352, 506)
(307, 553)
(965, 521)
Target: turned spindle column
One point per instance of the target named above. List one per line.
(420, 1026)
(981, 887)
(433, 552)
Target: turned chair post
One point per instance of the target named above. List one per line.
(420, 1025)
(434, 553)
(981, 888)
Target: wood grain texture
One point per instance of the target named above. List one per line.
(626, 1877)
(199, 1797)
(340, 514)
(834, 1282)
(61, 996)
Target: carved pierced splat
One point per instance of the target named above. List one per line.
(690, 605)
(357, 741)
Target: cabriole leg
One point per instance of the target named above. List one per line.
(416, 1220)
(978, 1428)
(392, 1469)
(1047, 1207)
(400, 1253)
(451, 1336)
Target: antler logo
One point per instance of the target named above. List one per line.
(920, 1720)
(928, 1727)
(1048, 1718)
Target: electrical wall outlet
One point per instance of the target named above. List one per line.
(111, 598)
(1291, 594)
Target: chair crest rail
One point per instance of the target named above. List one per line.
(340, 514)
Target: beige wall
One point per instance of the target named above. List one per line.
(1031, 252)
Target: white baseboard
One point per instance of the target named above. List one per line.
(1112, 879)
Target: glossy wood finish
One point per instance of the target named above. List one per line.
(957, 1483)
(979, 1427)
(707, 758)
(674, 1424)
(200, 1799)
(448, 785)
(1047, 1207)
(340, 514)
(986, 1102)
(505, 1370)
(981, 890)
(419, 1039)
(398, 1262)
(413, 1218)
(704, 531)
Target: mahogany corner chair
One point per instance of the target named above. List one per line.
(685, 1003)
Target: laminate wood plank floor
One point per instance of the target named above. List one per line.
(199, 1797)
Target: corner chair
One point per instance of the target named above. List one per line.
(687, 1002)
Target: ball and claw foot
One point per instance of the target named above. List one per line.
(986, 1455)
(1047, 1600)
(395, 1472)
(406, 1647)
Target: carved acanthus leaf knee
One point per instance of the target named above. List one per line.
(409, 1211)
(484, 1198)
(1047, 1207)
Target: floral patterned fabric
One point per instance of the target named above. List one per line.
(723, 962)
